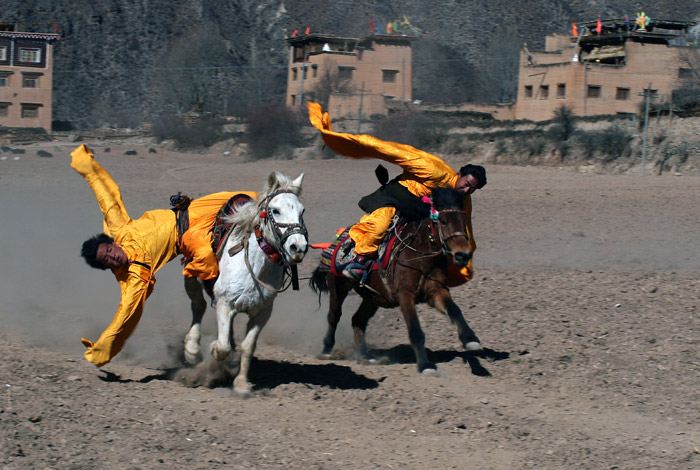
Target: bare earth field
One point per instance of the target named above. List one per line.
(586, 295)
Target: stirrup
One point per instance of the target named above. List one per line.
(356, 272)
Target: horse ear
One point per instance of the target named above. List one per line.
(296, 184)
(272, 180)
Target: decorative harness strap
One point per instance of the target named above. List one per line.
(274, 255)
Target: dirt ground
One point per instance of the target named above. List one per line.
(586, 295)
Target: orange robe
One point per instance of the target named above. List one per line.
(422, 172)
(149, 243)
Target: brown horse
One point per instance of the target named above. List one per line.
(416, 273)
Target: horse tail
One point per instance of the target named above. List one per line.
(319, 282)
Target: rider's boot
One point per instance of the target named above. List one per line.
(359, 268)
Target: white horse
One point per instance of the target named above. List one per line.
(268, 239)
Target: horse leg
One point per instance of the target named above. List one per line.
(193, 288)
(221, 347)
(444, 303)
(241, 386)
(338, 289)
(407, 305)
(366, 311)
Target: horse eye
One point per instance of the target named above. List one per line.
(442, 221)
(275, 212)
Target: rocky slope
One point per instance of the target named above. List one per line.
(122, 62)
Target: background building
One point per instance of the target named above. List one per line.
(26, 63)
(604, 70)
(351, 76)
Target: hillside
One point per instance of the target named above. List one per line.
(122, 63)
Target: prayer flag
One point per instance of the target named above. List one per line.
(307, 30)
(574, 29)
(599, 27)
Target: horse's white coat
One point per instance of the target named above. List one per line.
(237, 291)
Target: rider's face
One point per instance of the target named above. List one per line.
(111, 255)
(467, 184)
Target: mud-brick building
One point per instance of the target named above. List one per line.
(26, 66)
(372, 69)
(604, 70)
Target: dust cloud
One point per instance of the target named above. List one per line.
(52, 298)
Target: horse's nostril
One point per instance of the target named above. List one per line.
(462, 258)
(293, 248)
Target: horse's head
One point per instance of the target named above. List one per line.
(451, 222)
(285, 215)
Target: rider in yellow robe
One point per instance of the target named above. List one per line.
(422, 172)
(148, 243)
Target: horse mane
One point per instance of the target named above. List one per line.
(247, 217)
(447, 198)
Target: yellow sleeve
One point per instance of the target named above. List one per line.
(137, 285)
(423, 166)
(106, 190)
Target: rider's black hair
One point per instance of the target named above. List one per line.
(477, 171)
(89, 250)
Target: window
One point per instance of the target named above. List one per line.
(4, 108)
(303, 72)
(389, 76)
(622, 93)
(29, 81)
(3, 52)
(294, 74)
(593, 91)
(528, 91)
(29, 55)
(544, 92)
(294, 100)
(30, 110)
(314, 68)
(685, 74)
(5, 78)
(561, 90)
(345, 73)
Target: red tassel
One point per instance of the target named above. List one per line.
(263, 215)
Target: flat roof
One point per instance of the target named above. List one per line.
(23, 35)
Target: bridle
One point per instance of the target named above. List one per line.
(441, 234)
(292, 228)
(434, 217)
(290, 270)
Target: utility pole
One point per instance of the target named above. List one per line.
(647, 95)
(359, 111)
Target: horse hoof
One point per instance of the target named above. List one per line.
(193, 358)
(473, 346)
(242, 393)
(430, 373)
(218, 354)
(242, 389)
